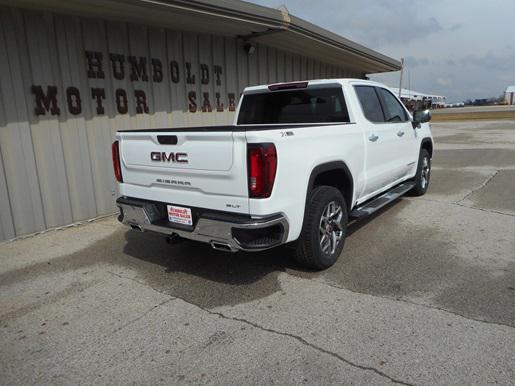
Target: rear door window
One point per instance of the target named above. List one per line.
(370, 103)
(310, 105)
(393, 110)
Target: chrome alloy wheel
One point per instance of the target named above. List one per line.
(424, 175)
(331, 229)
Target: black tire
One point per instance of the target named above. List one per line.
(308, 249)
(423, 175)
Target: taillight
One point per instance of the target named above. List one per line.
(116, 161)
(262, 165)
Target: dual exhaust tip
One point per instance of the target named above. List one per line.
(175, 239)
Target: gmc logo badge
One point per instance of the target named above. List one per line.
(169, 157)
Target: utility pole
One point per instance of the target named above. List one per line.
(400, 81)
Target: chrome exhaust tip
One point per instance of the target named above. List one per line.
(220, 246)
(136, 227)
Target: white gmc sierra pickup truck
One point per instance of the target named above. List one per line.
(301, 159)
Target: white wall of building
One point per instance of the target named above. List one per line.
(509, 95)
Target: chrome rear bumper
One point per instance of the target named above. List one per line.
(224, 231)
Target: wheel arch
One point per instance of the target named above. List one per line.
(335, 174)
(427, 143)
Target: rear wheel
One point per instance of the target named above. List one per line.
(423, 174)
(323, 232)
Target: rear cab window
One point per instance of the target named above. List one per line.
(308, 105)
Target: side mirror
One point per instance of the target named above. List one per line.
(421, 116)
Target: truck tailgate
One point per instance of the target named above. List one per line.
(192, 168)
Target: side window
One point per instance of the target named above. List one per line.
(393, 110)
(370, 103)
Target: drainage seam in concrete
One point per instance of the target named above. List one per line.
(461, 205)
(411, 302)
(262, 328)
(143, 314)
(483, 185)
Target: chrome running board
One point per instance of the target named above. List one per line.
(377, 203)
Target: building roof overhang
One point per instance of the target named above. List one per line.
(253, 23)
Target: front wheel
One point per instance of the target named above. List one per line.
(323, 232)
(423, 174)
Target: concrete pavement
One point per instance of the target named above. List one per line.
(424, 293)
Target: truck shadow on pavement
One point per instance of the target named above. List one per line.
(201, 275)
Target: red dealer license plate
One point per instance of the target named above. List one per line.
(179, 215)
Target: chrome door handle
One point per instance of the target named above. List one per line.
(373, 138)
(400, 133)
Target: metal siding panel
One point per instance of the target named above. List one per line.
(324, 70)
(20, 173)
(242, 67)
(224, 117)
(73, 127)
(117, 36)
(177, 90)
(335, 72)
(319, 70)
(254, 68)
(297, 68)
(281, 66)
(190, 50)
(309, 69)
(231, 69)
(288, 68)
(329, 71)
(98, 126)
(272, 65)
(138, 47)
(6, 218)
(263, 65)
(205, 47)
(159, 80)
(314, 69)
(46, 132)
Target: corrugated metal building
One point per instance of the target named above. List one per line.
(74, 72)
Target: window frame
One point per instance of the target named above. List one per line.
(355, 86)
(376, 87)
(383, 105)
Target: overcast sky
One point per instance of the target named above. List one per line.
(463, 49)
